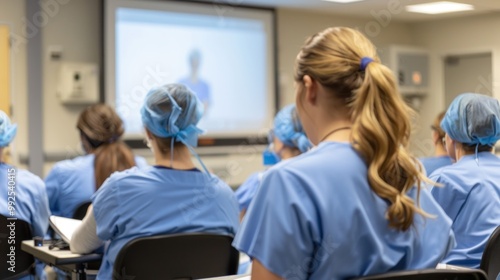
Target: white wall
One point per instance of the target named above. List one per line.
(294, 26)
(467, 73)
(453, 36)
(12, 14)
(77, 30)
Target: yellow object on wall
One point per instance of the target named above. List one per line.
(5, 69)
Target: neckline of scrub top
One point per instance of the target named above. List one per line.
(484, 154)
(327, 142)
(444, 156)
(170, 168)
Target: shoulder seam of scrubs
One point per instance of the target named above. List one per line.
(465, 201)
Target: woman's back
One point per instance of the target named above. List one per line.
(470, 196)
(470, 188)
(158, 200)
(27, 192)
(72, 182)
(432, 164)
(247, 190)
(337, 219)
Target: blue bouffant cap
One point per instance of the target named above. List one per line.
(288, 129)
(174, 111)
(473, 119)
(7, 130)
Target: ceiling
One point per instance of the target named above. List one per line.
(367, 8)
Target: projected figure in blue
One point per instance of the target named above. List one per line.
(194, 82)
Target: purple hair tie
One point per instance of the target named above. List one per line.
(364, 63)
(113, 139)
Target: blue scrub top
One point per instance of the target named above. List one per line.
(32, 205)
(470, 195)
(154, 200)
(433, 163)
(72, 182)
(316, 217)
(246, 192)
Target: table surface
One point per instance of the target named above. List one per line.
(56, 256)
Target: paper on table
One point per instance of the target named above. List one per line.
(243, 278)
(452, 267)
(64, 226)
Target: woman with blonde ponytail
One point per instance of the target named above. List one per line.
(72, 182)
(353, 205)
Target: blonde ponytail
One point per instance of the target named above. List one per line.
(381, 119)
(380, 114)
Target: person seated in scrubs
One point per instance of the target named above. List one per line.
(173, 196)
(470, 188)
(441, 157)
(72, 182)
(355, 204)
(25, 190)
(287, 139)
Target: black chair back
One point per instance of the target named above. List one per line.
(490, 262)
(430, 274)
(81, 210)
(12, 233)
(177, 256)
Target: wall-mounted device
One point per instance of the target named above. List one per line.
(78, 83)
(411, 68)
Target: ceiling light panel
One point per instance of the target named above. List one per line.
(439, 8)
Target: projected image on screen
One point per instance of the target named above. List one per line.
(194, 81)
(224, 62)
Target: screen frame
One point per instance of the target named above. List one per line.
(204, 141)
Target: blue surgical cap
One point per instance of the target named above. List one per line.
(173, 110)
(7, 130)
(473, 119)
(288, 129)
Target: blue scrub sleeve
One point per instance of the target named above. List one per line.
(450, 198)
(277, 229)
(478, 206)
(438, 220)
(106, 214)
(53, 187)
(41, 213)
(246, 192)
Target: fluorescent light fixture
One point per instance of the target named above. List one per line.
(439, 8)
(343, 1)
